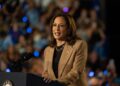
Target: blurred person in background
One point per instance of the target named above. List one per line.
(65, 57)
(86, 30)
(11, 9)
(93, 61)
(83, 18)
(34, 66)
(15, 31)
(5, 39)
(32, 13)
(28, 52)
(39, 39)
(22, 43)
(94, 82)
(12, 58)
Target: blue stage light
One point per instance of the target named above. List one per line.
(105, 72)
(7, 70)
(24, 19)
(36, 53)
(65, 9)
(29, 30)
(91, 74)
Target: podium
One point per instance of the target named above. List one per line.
(16, 78)
(24, 79)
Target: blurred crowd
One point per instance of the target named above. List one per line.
(24, 34)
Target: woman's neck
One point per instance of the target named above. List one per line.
(59, 42)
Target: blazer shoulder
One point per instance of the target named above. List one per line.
(47, 48)
(81, 46)
(80, 42)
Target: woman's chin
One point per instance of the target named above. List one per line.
(58, 38)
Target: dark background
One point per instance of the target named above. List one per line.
(112, 30)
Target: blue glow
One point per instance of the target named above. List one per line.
(105, 72)
(91, 74)
(0, 6)
(65, 9)
(24, 19)
(7, 70)
(36, 53)
(29, 30)
(107, 84)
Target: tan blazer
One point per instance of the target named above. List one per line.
(71, 67)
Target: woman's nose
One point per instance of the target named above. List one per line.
(58, 27)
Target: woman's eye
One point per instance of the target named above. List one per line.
(62, 26)
(54, 24)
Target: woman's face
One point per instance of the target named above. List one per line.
(59, 28)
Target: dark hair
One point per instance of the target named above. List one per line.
(71, 30)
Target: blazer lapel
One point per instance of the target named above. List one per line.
(64, 58)
(51, 53)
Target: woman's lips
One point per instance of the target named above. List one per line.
(57, 33)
